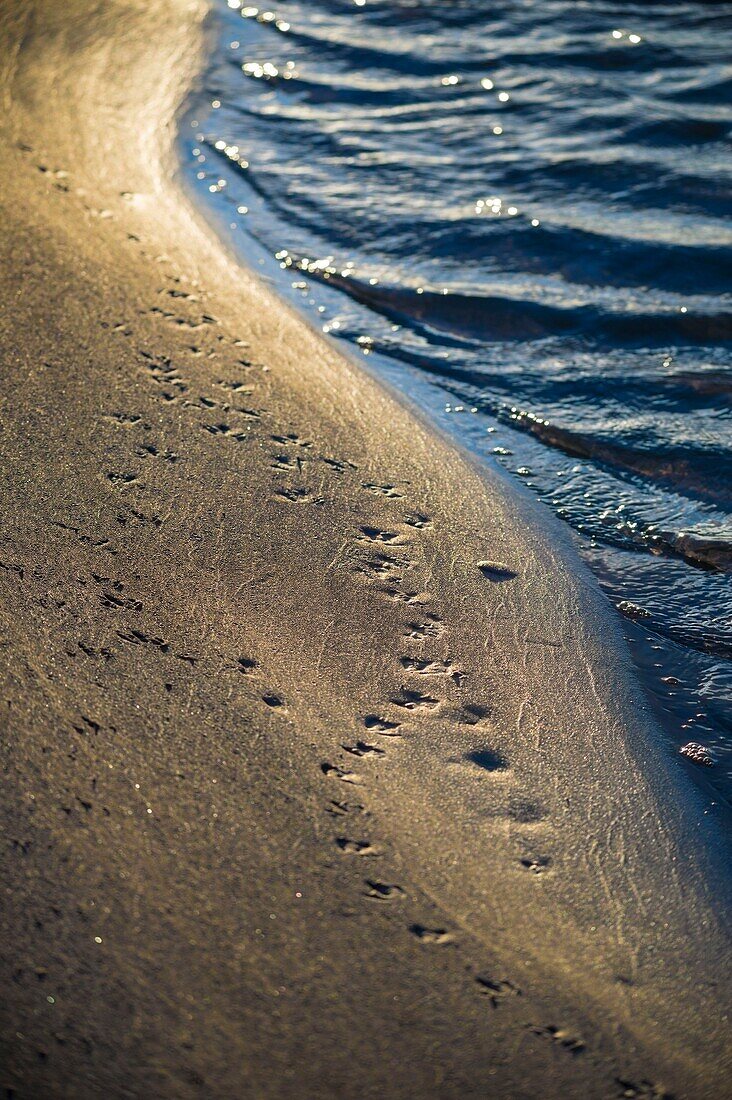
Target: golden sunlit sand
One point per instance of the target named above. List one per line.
(324, 774)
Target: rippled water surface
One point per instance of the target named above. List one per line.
(520, 213)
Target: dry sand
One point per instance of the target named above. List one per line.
(300, 801)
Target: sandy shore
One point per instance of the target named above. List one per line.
(300, 800)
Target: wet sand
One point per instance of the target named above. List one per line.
(324, 772)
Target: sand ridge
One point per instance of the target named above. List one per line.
(320, 779)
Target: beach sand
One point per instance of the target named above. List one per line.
(324, 771)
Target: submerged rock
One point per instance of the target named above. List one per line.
(632, 610)
(697, 753)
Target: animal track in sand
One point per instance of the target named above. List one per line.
(291, 440)
(431, 935)
(244, 412)
(381, 725)
(337, 809)
(418, 520)
(496, 990)
(496, 571)
(537, 865)
(431, 627)
(181, 294)
(363, 748)
(161, 371)
(137, 637)
(234, 386)
(377, 534)
(338, 464)
(287, 463)
(58, 177)
(340, 773)
(356, 847)
(473, 714)
(105, 653)
(298, 496)
(382, 891)
(426, 667)
(183, 322)
(342, 809)
(246, 665)
(87, 540)
(416, 700)
(144, 520)
(382, 566)
(273, 700)
(487, 759)
(392, 593)
(385, 490)
(149, 450)
(101, 579)
(119, 603)
(13, 567)
(122, 479)
(563, 1038)
(641, 1090)
(226, 430)
(125, 420)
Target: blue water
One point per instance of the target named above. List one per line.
(520, 213)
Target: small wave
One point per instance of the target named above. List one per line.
(672, 467)
(678, 131)
(686, 470)
(494, 318)
(710, 383)
(710, 91)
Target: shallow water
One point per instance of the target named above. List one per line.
(520, 214)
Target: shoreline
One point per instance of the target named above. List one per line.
(194, 632)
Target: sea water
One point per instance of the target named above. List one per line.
(520, 213)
